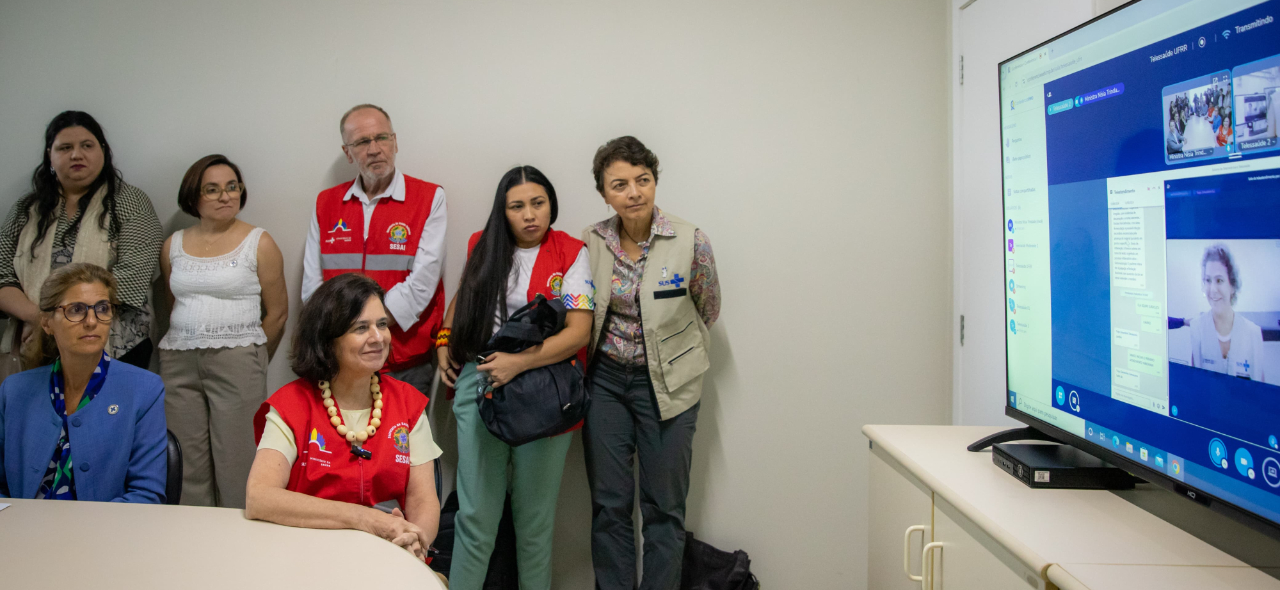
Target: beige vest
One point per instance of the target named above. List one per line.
(675, 338)
(92, 245)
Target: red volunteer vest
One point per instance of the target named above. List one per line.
(386, 256)
(556, 254)
(325, 467)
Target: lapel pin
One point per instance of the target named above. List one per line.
(113, 409)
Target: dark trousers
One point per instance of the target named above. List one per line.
(623, 423)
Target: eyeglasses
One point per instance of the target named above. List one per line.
(77, 312)
(362, 145)
(213, 192)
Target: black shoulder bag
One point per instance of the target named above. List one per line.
(539, 402)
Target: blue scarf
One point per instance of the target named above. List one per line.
(58, 483)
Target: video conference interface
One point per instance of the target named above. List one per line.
(1143, 242)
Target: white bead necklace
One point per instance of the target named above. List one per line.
(354, 437)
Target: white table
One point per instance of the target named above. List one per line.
(129, 546)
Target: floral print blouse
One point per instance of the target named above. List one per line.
(622, 339)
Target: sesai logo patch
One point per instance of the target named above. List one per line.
(400, 438)
(556, 283)
(398, 233)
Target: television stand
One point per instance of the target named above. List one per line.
(1013, 434)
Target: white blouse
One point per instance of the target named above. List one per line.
(217, 300)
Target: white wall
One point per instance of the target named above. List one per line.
(780, 132)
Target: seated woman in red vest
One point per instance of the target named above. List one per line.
(344, 437)
(515, 258)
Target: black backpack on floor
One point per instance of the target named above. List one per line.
(708, 568)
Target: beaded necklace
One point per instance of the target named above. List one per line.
(355, 438)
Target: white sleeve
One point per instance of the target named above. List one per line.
(422, 448)
(579, 291)
(407, 300)
(276, 435)
(312, 271)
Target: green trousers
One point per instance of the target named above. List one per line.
(482, 490)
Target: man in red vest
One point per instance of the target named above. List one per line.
(390, 227)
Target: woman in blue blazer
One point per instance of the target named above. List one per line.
(85, 427)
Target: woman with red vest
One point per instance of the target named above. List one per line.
(515, 258)
(344, 436)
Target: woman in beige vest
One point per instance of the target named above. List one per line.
(647, 357)
(80, 210)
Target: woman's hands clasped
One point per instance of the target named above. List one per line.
(406, 535)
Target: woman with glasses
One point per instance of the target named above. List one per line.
(113, 412)
(80, 210)
(226, 287)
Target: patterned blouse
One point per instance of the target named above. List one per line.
(623, 337)
(137, 245)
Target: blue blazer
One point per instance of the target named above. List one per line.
(118, 457)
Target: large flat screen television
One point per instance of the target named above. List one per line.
(1141, 238)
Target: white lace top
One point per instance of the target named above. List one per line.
(218, 300)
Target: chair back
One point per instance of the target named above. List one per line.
(173, 483)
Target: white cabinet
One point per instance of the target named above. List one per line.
(982, 529)
(898, 503)
(960, 560)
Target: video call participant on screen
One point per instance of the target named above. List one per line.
(225, 283)
(344, 436)
(81, 210)
(515, 258)
(1222, 340)
(1174, 139)
(648, 356)
(390, 227)
(113, 412)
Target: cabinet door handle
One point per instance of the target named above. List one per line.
(926, 566)
(906, 550)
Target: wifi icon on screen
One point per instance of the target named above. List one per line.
(1226, 33)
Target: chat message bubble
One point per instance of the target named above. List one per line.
(1153, 325)
(1126, 378)
(1128, 249)
(1135, 294)
(1146, 363)
(1125, 338)
(1150, 308)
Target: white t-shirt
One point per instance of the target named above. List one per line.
(1244, 359)
(576, 290)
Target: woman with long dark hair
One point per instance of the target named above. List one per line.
(80, 209)
(515, 258)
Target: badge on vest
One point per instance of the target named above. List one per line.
(674, 291)
(399, 436)
(556, 283)
(398, 233)
(340, 226)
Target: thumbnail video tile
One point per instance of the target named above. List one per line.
(1256, 86)
(1197, 119)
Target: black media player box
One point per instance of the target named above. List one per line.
(1059, 467)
